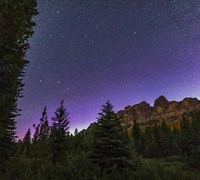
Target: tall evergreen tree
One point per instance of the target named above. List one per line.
(16, 27)
(27, 142)
(76, 132)
(59, 133)
(44, 127)
(36, 133)
(40, 144)
(111, 147)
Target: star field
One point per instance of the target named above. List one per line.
(88, 52)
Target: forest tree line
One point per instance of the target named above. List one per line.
(105, 150)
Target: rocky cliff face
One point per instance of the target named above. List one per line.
(162, 109)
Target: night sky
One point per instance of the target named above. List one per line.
(127, 51)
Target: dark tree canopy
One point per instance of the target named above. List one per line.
(111, 147)
(16, 27)
(59, 133)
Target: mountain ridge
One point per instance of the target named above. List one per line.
(169, 111)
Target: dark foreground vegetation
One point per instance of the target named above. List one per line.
(104, 151)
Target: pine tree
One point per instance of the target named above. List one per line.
(76, 142)
(59, 133)
(40, 146)
(76, 132)
(27, 142)
(44, 127)
(16, 27)
(111, 147)
(36, 133)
